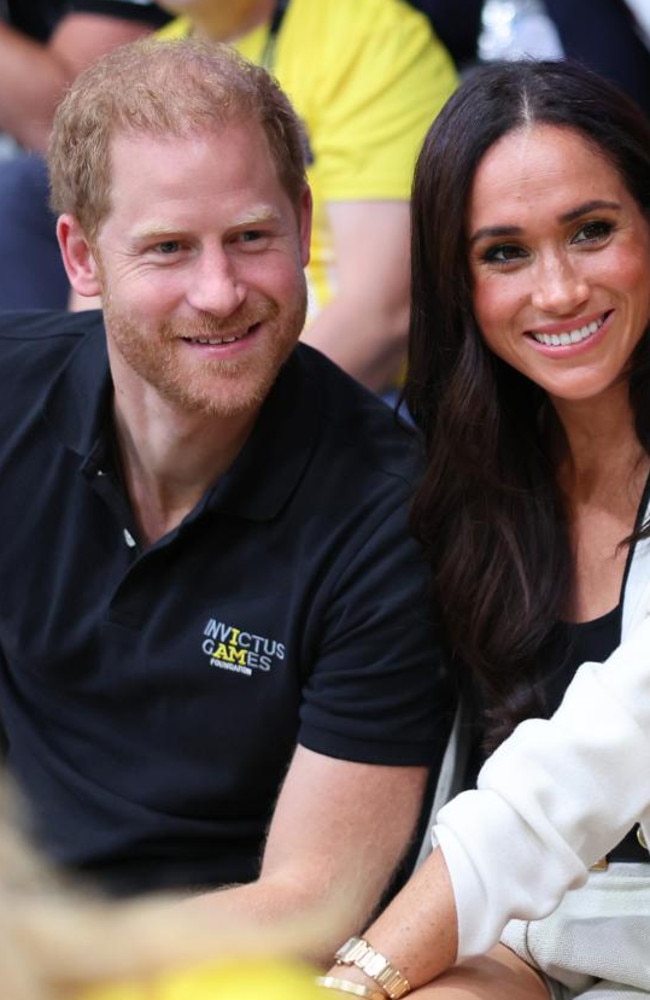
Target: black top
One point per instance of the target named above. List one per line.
(569, 646)
(576, 643)
(591, 641)
(152, 697)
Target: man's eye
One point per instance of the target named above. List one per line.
(168, 247)
(503, 253)
(594, 231)
(251, 235)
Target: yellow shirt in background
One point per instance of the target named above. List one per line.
(243, 979)
(367, 78)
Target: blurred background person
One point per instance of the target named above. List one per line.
(457, 25)
(44, 44)
(608, 36)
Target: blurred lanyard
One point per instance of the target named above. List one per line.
(274, 30)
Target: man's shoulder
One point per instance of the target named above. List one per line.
(21, 326)
(356, 425)
(31, 341)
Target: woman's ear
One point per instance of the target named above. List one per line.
(84, 273)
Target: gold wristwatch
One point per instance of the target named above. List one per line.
(358, 952)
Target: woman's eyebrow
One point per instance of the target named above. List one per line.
(586, 208)
(492, 231)
(576, 213)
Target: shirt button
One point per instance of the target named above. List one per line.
(129, 539)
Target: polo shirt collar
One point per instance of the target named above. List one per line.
(78, 404)
(266, 472)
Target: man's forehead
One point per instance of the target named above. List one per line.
(226, 174)
(221, 153)
(213, 132)
(232, 154)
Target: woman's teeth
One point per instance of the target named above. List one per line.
(572, 337)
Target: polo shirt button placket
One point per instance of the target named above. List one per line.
(129, 539)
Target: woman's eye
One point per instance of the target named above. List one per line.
(593, 232)
(504, 253)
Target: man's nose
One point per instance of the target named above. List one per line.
(560, 287)
(214, 285)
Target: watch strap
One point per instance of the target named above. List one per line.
(376, 966)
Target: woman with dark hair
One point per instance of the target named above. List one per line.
(530, 378)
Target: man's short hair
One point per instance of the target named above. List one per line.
(163, 88)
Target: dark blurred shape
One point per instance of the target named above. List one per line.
(457, 23)
(603, 35)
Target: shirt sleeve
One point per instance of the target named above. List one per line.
(378, 692)
(553, 799)
(367, 104)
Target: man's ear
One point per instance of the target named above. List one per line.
(78, 257)
(305, 213)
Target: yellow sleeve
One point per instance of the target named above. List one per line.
(245, 979)
(368, 78)
(180, 27)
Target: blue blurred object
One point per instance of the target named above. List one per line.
(32, 274)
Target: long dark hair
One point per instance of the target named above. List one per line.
(489, 511)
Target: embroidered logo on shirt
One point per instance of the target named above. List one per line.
(231, 648)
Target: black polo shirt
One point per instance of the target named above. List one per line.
(152, 698)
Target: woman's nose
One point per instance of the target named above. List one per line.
(560, 288)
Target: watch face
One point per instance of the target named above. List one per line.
(348, 951)
(358, 952)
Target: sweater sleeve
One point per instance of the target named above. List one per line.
(553, 799)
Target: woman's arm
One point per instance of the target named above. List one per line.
(551, 800)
